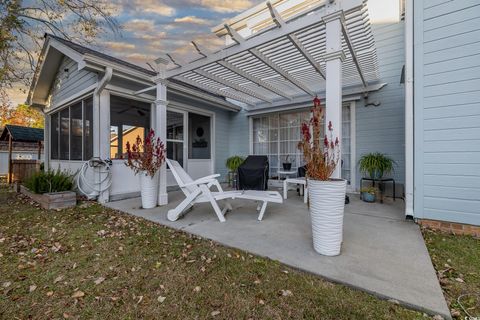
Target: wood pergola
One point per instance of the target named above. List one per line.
(322, 49)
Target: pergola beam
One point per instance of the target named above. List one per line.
(204, 52)
(277, 18)
(254, 51)
(215, 90)
(266, 36)
(232, 85)
(352, 52)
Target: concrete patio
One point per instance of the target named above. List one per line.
(382, 253)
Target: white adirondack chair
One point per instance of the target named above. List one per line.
(198, 191)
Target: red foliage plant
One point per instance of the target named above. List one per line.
(146, 156)
(321, 157)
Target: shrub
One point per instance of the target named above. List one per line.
(50, 181)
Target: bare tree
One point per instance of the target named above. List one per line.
(23, 25)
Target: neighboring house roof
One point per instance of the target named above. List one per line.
(21, 134)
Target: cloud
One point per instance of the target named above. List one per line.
(226, 6)
(192, 20)
(119, 45)
(153, 6)
(139, 25)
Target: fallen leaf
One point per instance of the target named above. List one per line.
(215, 313)
(6, 284)
(459, 280)
(197, 289)
(78, 294)
(58, 279)
(393, 301)
(261, 302)
(140, 298)
(286, 293)
(161, 299)
(99, 280)
(66, 315)
(49, 293)
(32, 288)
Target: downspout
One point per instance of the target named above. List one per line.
(98, 90)
(409, 109)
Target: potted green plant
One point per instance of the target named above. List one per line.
(232, 165)
(326, 194)
(376, 165)
(146, 157)
(369, 194)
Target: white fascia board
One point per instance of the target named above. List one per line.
(97, 63)
(346, 93)
(72, 54)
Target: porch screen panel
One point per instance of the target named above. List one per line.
(87, 129)
(76, 131)
(175, 136)
(54, 135)
(64, 134)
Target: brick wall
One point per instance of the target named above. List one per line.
(451, 227)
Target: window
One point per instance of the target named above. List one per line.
(175, 136)
(64, 134)
(76, 132)
(277, 135)
(128, 120)
(71, 132)
(54, 135)
(87, 129)
(198, 136)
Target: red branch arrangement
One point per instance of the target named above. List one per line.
(321, 157)
(147, 156)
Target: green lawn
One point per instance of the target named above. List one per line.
(457, 261)
(92, 262)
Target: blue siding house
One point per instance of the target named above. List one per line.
(408, 87)
(446, 68)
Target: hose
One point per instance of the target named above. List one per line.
(95, 188)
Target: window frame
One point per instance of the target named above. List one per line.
(57, 112)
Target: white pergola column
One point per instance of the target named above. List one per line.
(104, 136)
(160, 126)
(333, 93)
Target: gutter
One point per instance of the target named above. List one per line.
(409, 109)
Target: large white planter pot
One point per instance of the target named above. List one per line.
(149, 190)
(327, 204)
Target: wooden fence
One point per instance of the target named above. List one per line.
(24, 169)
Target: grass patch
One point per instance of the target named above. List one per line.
(92, 262)
(457, 261)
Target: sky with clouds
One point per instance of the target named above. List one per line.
(149, 27)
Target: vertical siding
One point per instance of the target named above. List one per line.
(447, 110)
(71, 82)
(382, 128)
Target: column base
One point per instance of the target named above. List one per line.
(163, 199)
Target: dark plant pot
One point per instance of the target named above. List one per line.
(368, 197)
(287, 166)
(377, 175)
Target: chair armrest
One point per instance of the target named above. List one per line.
(203, 180)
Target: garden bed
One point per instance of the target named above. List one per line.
(54, 200)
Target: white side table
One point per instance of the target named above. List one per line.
(286, 173)
(301, 181)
